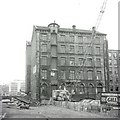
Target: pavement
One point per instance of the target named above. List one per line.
(47, 111)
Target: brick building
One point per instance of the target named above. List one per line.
(64, 58)
(114, 70)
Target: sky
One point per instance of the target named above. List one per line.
(17, 18)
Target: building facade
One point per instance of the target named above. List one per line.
(114, 70)
(28, 68)
(71, 59)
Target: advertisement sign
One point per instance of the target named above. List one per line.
(112, 98)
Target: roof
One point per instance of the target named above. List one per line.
(68, 30)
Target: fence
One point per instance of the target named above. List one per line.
(78, 106)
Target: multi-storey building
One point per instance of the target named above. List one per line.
(71, 59)
(28, 68)
(114, 70)
(16, 87)
(13, 88)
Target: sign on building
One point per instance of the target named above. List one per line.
(112, 99)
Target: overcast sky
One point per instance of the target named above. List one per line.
(17, 18)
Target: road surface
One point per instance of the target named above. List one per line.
(46, 112)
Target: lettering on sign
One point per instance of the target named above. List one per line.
(112, 99)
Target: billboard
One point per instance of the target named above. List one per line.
(110, 98)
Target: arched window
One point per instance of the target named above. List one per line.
(82, 88)
(44, 89)
(99, 88)
(91, 89)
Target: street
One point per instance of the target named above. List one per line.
(46, 112)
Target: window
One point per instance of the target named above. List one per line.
(44, 74)
(71, 49)
(90, 75)
(63, 60)
(90, 89)
(99, 88)
(99, 75)
(80, 49)
(81, 75)
(44, 60)
(115, 62)
(85, 40)
(97, 40)
(80, 39)
(72, 61)
(116, 71)
(63, 48)
(98, 62)
(71, 38)
(37, 59)
(116, 88)
(89, 62)
(110, 54)
(89, 50)
(117, 80)
(88, 39)
(110, 70)
(44, 47)
(110, 62)
(114, 55)
(62, 38)
(44, 36)
(37, 36)
(80, 62)
(82, 88)
(72, 74)
(63, 74)
(97, 50)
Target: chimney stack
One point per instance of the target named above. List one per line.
(74, 26)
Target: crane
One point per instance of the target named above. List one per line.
(100, 14)
(94, 29)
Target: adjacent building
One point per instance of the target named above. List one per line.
(114, 70)
(5, 90)
(13, 88)
(22, 86)
(68, 58)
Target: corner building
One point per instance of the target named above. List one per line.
(63, 58)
